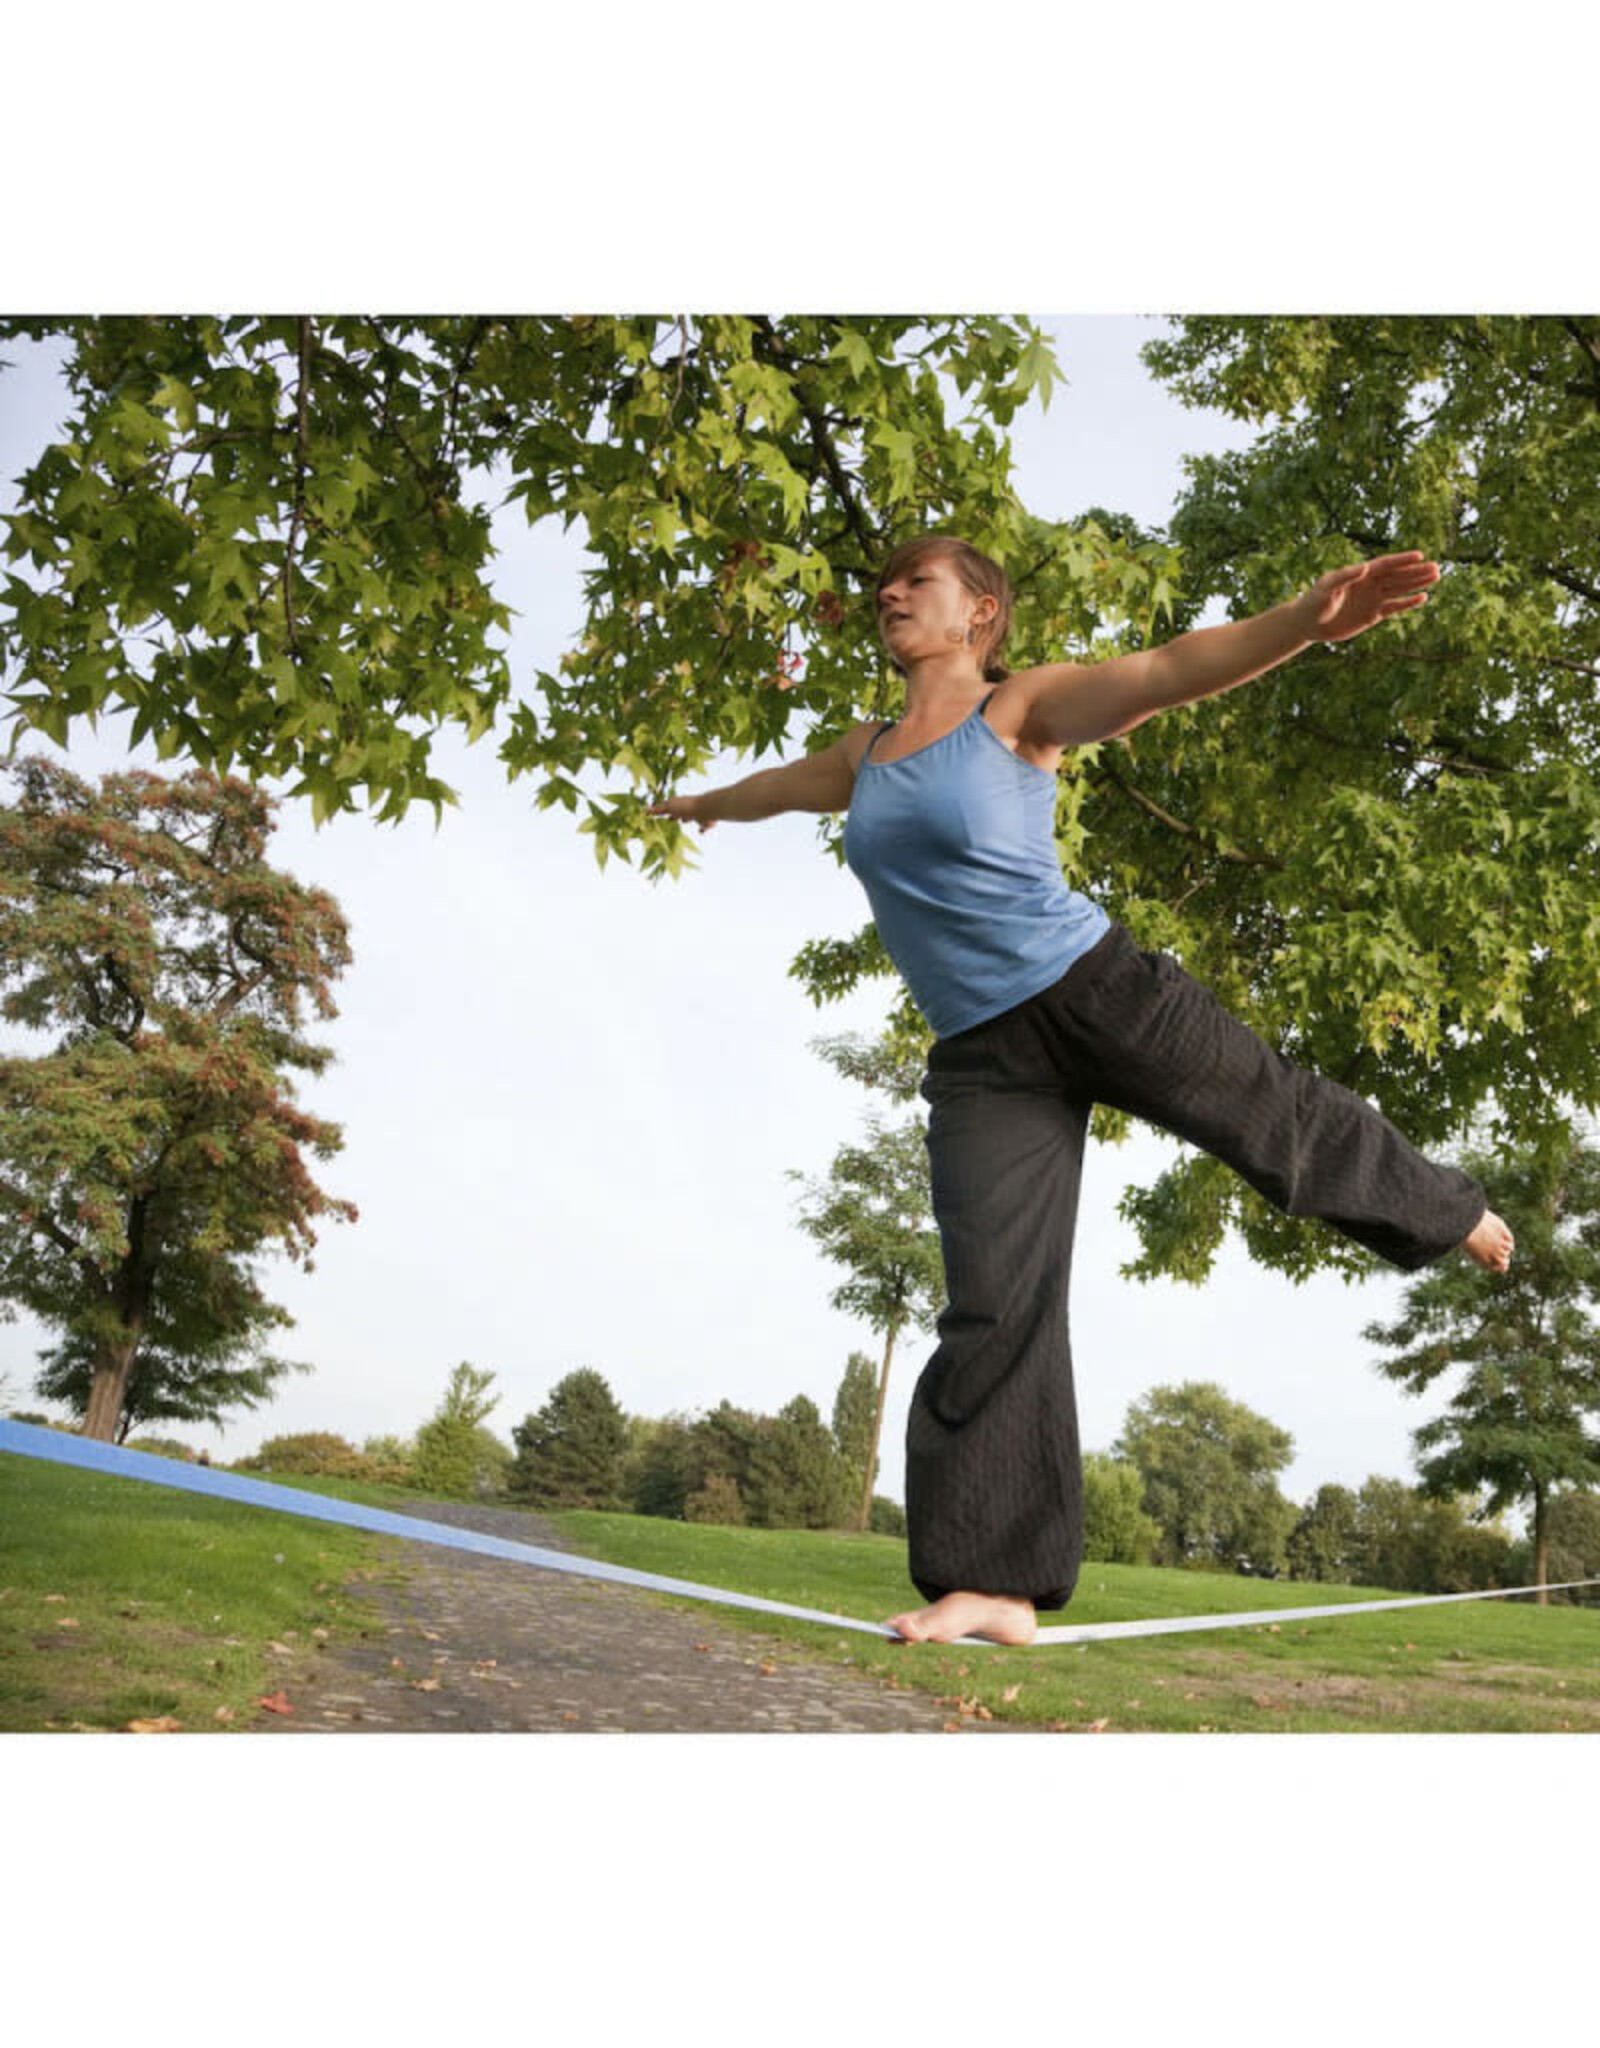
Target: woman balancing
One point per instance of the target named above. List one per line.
(1041, 1005)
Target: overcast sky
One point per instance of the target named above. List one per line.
(569, 1098)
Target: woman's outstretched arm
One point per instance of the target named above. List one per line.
(1074, 704)
(820, 782)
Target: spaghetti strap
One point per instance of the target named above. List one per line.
(878, 735)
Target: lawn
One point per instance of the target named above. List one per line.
(1479, 1666)
(121, 1602)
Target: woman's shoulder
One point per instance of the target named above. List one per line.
(857, 740)
(1006, 713)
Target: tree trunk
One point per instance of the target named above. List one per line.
(1541, 1548)
(865, 1516)
(113, 1360)
(108, 1389)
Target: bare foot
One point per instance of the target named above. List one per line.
(1491, 1244)
(996, 1617)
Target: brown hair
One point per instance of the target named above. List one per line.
(978, 574)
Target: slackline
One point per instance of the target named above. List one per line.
(56, 1446)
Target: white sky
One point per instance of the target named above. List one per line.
(569, 1097)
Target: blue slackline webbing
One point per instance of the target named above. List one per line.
(62, 1449)
(29, 1441)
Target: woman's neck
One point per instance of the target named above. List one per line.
(942, 689)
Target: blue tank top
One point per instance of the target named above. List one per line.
(955, 847)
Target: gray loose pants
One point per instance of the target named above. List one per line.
(994, 1496)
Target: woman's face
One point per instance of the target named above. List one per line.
(926, 609)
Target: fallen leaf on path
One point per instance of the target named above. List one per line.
(1099, 1727)
(424, 1685)
(280, 1649)
(952, 1727)
(276, 1703)
(163, 1724)
(768, 1670)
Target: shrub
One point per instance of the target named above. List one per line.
(719, 1500)
(455, 1456)
(1116, 1530)
(161, 1447)
(312, 1454)
(887, 1518)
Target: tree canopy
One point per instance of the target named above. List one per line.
(270, 540)
(1209, 1466)
(569, 1453)
(1382, 854)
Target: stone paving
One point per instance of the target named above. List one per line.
(468, 1644)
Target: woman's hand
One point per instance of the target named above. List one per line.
(684, 808)
(1347, 601)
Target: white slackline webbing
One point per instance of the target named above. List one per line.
(30, 1441)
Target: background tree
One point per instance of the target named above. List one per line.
(1116, 1529)
(176, 1376)
(874, 1216)
(155, 1148)
(656, 1465)
(1412, 1542)
(1324, 1543)
(797, 1480)
(454, 1453)
(855, 1408)
(569, 1454)
(1209, 1467)
(1572, 1523)
(1381, 854)
(1520, 1419)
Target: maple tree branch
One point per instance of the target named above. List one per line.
(871, 542)
(1104, 771)
(302, 443)
(47, 1228)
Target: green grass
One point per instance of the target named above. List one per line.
(178, 1600)
(120, 1601)
(1481, 1666)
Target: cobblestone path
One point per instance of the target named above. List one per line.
(482, 1645)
